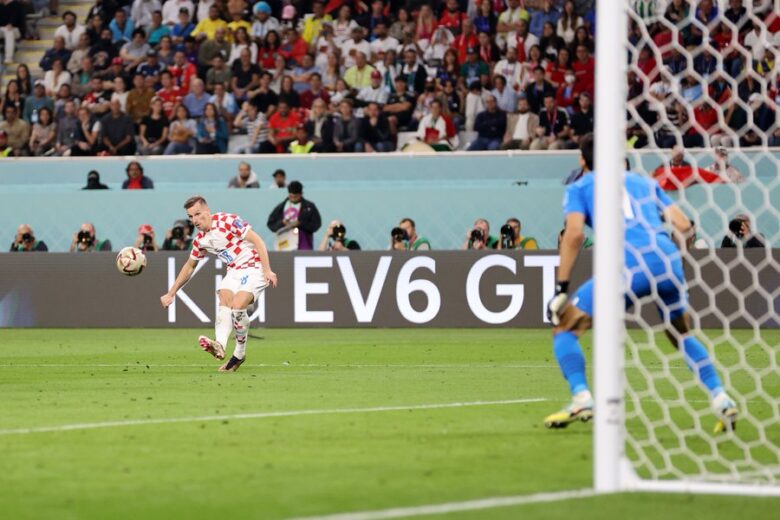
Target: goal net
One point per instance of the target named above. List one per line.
(701, 84)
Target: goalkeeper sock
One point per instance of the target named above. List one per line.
(569, 355)
(222, 325)
(241, 326)
(698, 360)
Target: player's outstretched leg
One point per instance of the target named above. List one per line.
(698, 360)
(222, 328)
(241, 328)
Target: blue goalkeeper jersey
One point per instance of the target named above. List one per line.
(646, 239)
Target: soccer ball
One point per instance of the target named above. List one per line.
(130, 261)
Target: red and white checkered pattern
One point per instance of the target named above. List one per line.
(225, 239)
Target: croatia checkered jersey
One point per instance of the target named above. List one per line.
(226, 240)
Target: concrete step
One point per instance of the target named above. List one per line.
(30, 45)
(46, 33)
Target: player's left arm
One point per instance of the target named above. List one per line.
(681, 225)
(262, 250)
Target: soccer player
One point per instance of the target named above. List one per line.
(653, 265)
(234, 242)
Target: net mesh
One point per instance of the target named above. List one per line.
(697, 83)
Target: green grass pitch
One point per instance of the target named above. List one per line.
(281, 465)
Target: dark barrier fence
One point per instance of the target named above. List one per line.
(359, 289)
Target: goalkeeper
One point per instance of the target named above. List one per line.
(653, 265)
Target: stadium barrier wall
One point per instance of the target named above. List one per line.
(357, 289)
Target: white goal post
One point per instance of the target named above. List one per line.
(651, 434)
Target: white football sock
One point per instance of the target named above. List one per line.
(222, 325)
(241, 326)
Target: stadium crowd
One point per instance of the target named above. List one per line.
(145, 77)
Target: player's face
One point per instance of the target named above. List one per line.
(200, 216)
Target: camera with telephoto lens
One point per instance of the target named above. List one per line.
(476, 235)
(147, 240)
(84, 237)
(27, 237)
(339, 232)
(507, 237)
(399, 234)
(177, 233)
(735, 226)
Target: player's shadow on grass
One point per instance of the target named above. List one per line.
(252, 336)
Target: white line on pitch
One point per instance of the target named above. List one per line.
(261, 415)
(286, 365)
(453, 507)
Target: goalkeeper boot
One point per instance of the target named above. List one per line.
(576, 411)
(232, 364)
(212, 347)
(727, 412)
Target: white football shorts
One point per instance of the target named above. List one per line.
(248, 280)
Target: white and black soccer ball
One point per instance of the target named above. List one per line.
(130, 261)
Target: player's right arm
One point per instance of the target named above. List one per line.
(681, 225)
(184, 276)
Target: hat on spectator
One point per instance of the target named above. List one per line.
(288, 13)
(295, 187)
(262, 7)
(471, 50)
(145, 229)
(375, 74)
(116, 61)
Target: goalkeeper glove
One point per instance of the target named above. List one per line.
(558, 302)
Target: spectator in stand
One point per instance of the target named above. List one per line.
(382, 42)
(359, 75)
(263, 21)
(225, 103)
(405, 238)
(134, 52)
(490, 126)
(216, 46)
(557, 69)
(346, 128)
(302, 143)
(473, 67)
(280, 180)
(117, 132)
(520, 127)
(241, 41)
(451, 18)
(320, 127)
(537, 90)
(509, 23)
(218, 73)
(153, 131)
(722, 167)
(136, 180)
(301, 74)
(212, 132)
(44, 134)
(139, 99)
(57, 52)
(256, 126)
(293, 48)
(87, 134)
(505, 96)
(170, 93)
(740, 235)
(151, 67)
(315, 91)
(553, 131)
(245, 75)
(400, 106)
(121, 28)
(197, 99)
(70, 31)
(287, 92)
(103, 52)
(546, 14)
(79, 52)
(487, 49)
(582, 119)
(207, 27)
(182, 133)
(474, 104)
(67, 129)
(432, 129)
(414, 72)
(12, 96)
(464, 41)
(120, 92)
(282, 125)
(183, 28)
(568, 22)
(12, 27)
(567, 94)
(263, 97)
(172, 8)
(354, 45)
(245, 179)
(584, 69)
(36, 102)
(25, 241)
(24, 79)
(375, 131)
(374, 93)
(141, 12)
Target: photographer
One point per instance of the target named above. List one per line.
(404, 237)
(85, 240)
(335, 239)
(179, 237)
(479, 237)
(25, 241)
(740, 235)
(512, 239)
(145, 241)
